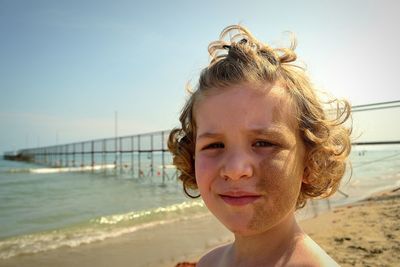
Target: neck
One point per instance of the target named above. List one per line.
(274, 245)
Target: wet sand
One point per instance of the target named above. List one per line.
(163, 245)
(366, 233)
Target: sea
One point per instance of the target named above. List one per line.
(44, 208)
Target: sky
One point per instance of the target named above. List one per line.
(67, 67)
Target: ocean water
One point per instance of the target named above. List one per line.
(44, 208)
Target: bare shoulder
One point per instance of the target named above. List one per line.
(309, 253)
(213, 258)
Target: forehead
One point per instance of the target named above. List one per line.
(246, 105)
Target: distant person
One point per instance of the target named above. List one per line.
(256, 142)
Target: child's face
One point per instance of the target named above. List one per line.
(249, 157)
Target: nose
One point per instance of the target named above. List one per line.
(237, 165)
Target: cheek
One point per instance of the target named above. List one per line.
(205, 169)
(280, 182)
(278, 175)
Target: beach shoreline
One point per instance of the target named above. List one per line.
(363, 233)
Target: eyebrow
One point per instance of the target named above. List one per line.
(281, 132)
(209, 135)
(278, 130)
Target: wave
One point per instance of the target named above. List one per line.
(60, 169)
(158, 213)
(99, 229)
(69, 169)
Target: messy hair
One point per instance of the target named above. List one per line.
(238, 57)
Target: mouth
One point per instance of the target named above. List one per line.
(239, 198)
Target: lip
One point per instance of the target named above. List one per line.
(239, 198)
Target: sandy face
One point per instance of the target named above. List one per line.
(280, 174)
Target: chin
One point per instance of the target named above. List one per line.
(241, 228)
(243, 232)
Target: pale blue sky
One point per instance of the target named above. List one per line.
(67, 66)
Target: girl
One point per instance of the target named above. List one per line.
(256, 142)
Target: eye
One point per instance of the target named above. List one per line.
(263, 143)
(214, 146)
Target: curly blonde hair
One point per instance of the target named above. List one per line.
(243, 58)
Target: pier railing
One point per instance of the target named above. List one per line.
(141, 155)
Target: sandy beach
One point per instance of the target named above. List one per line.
(366, 233)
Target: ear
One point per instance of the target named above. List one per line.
(306, 176)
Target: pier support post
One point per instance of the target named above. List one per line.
(139, 161)
(132, 156)
(162, 158)
(92, 154)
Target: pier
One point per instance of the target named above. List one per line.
(142, 155)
